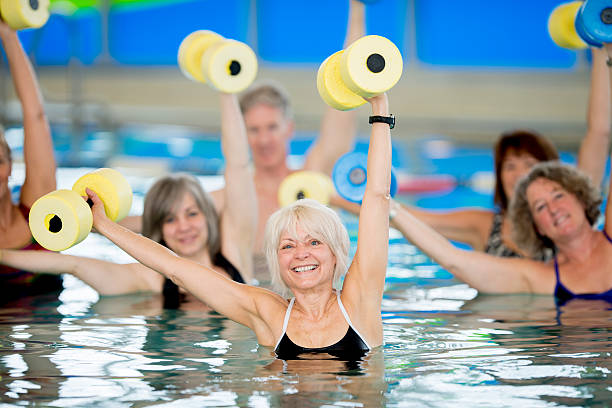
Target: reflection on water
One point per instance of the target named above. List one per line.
(443, 346)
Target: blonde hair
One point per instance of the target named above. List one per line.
(317, 220)
(164, 195)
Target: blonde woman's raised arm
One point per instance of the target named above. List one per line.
(367, 273)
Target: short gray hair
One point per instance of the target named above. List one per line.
(318, 221)
(267, 93)
(572, 180)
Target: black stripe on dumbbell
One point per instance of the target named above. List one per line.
(234, 68)
(55, 224)
(375, 63)
(606, 15)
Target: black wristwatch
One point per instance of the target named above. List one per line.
(390, 120)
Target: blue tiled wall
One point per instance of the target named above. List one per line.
(448, 34)
(488, 33)
(151, 34)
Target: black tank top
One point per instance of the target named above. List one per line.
(173, 297)
(350, 347)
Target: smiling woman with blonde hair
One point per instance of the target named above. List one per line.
(307, 247)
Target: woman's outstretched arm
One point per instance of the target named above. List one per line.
(37, 144)
(106, 278)
(486, 273)
(254, 307)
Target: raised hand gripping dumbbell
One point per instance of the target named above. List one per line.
(62, 218)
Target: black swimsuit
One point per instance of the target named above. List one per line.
(563, 294)
(495, 244)
(351, 347)
(172, 296)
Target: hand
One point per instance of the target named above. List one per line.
(97, 207)
(5, 29)
(380, 104)
(608, 47)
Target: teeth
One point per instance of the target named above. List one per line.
(304, 268)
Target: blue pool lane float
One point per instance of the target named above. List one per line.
(577, 24)
(350, 176)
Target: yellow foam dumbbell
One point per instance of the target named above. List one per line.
(227, 65)
(370, 66)
(20, 14)
(62, 218)
(305, 184)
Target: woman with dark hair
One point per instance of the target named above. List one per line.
(180, 215)
(39, 173)
(515, 153)
(554, 207)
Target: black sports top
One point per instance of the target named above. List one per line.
(172, 296)
(563, 294)
(495, 244)
(351, 347)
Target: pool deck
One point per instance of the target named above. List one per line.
(466, 105)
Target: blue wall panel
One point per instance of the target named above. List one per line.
(488, 33)
(62, 37)
(151, 34)
(308, 31)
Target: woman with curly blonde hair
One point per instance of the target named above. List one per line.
(555, 206)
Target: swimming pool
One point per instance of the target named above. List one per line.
(444, 345)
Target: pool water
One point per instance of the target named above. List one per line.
(445, 346)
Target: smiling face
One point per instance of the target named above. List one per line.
(304, 261)
(184, 229)
(514, 166)
(268, 132)
(556, 212)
